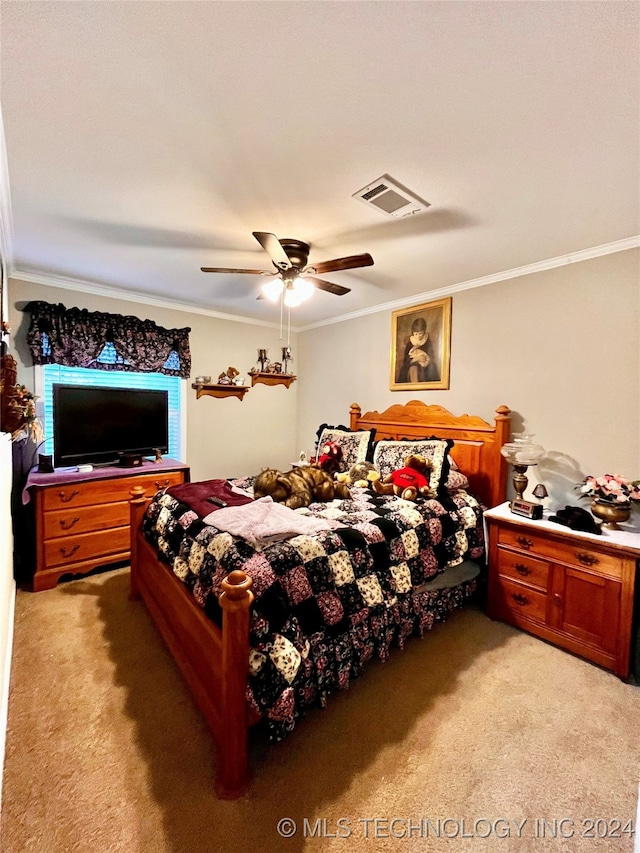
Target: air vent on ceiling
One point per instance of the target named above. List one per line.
(390, 198)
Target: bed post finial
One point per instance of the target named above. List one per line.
(236, 594)
(235, 599)
(354, 415)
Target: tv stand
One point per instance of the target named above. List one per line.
(82, 518)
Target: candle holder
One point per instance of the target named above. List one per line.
(286, 358)
(262, 359)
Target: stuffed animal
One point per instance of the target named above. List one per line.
(407, 482)
(330, 457)
(229, 377)
(299, 487)
(360, 475)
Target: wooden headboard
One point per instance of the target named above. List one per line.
(476, 443)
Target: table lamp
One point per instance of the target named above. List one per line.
(522, 453)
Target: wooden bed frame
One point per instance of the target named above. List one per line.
(213, 660)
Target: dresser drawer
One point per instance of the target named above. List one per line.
(85, 519)
(522, 601)
(85, 546)
(577, 552)
(522, 567)
(107, 490)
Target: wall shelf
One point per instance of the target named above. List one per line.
(220, 390)
(272, 379)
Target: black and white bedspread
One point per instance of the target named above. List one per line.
(327, 603)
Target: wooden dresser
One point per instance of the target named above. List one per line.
(574, 589)
(82, 520)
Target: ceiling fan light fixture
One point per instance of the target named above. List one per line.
(303, 288)
(292, 298)
(273, 289)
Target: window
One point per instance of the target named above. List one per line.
(48, 374)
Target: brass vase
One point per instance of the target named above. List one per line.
(611, 513)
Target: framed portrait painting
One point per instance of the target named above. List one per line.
(421, 346)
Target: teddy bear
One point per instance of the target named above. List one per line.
(360, 475)
(299, 487)
(228, 378)
(330, 457)
(407, 482)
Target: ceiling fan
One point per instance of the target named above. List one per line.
(296, 279)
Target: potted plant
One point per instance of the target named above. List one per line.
(611, 496)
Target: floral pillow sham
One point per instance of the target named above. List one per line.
(389, 455)
(355, 446)
(456, 480)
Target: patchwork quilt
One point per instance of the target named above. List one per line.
(326, 603)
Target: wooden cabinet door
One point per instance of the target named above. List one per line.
(587, 607)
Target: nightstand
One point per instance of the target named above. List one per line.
(574, 589)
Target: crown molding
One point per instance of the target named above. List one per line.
(483, 281)
(83, 286)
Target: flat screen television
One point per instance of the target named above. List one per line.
(102, 425)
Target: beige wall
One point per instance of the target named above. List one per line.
(561, 348)
(225, 437)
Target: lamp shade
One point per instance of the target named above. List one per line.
(522, 450)
(540, 491)
(273, 289)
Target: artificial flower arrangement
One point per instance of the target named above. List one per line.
(18, 405)
(610, 488)
(25, 421)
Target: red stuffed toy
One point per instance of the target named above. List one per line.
(330, 457)
(407, 482)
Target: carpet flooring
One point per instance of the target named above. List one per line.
(477, 737)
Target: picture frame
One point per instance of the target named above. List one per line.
(421, 347)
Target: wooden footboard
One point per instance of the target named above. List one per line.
(214, 662)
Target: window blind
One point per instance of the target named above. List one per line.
(59, 374)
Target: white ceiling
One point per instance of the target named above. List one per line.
(147, 139)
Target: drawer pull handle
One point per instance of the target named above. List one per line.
(67, 525)
(557, 599)
(521, 570)
(70, 551)
(587, 559)
(65, 497)
(163, 486)
(523, 542)
(520, 599)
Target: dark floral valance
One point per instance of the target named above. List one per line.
(76, 337)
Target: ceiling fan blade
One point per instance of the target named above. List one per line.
(336, 289)
(349, 263)
(273, 248)
(229, 270)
